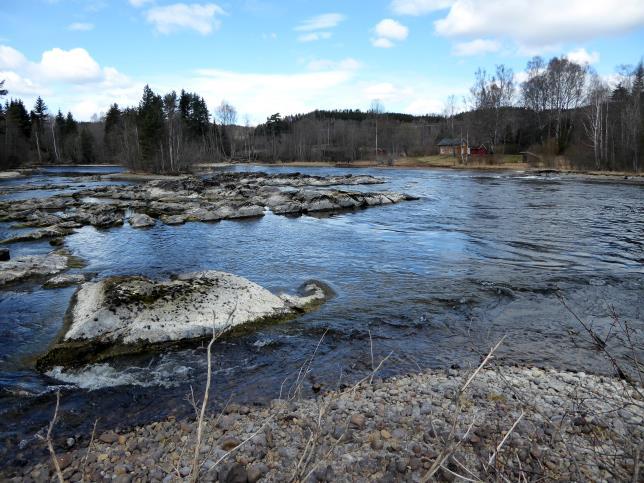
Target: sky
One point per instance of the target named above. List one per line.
(293, 56)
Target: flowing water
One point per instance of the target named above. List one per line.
(434, 282)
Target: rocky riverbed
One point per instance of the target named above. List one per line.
(176, 201)
(510, 423)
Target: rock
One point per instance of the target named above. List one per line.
(21, 268)
(236, 474)
(4, 255)
(256, 471)
(357, 421)
(47, 232)
(141, 220)
(64, 280)
(122, 315)
(64, 460)
(228, 443)
(173, 219)
(70, 442)
(109, 437)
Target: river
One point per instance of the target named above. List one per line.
(433, 282)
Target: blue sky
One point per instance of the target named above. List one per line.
(288, 56)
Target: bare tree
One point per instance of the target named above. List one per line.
(376, 109)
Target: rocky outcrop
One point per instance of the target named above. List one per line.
(184, 199)
(123, 315)
(23, 268)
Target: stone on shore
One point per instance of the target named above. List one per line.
(23, 268)
(122, 315)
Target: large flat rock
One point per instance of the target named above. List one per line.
(23, 268)
(123, 315)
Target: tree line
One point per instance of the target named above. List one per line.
(560, 111)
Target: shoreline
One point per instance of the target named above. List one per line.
(553, 424)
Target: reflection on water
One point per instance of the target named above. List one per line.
(434, 280)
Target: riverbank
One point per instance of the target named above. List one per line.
(513, 423)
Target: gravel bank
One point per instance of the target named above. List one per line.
(515, 422)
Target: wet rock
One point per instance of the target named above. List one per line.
(22, 268)
(141, 220)
(4, 255)
(64, 280)
(47, 232)
(122, 315)
(173, 219)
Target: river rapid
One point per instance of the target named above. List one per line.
(432, 283)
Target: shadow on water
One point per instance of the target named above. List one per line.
(435, 281)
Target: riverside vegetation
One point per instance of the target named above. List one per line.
(562, 115)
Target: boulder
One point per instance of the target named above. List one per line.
(22, 268)
(5, 255)
(125, 315)
(141, 220)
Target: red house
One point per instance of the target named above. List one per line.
(479, 151)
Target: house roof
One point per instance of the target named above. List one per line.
(449, 142)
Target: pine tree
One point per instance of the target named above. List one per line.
(150, 124)
(87, 146)
(38, 119)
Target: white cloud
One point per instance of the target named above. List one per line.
(476, 47)
(313, 36)
(195, 16)
(418, 7)
(261, 95)
(69, 79)
(10, 58)
(389, 31)
(139, 3)
(75, 65)
(344, 64)
(81, 26)
(583, 57)
(321, 22)
(382, 43)
(542, 23)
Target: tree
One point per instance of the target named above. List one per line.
(150, 130)
(376, 110)
(490, 98)
(87, 142)
(38, 119)
(227, 116)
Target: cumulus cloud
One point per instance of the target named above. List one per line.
(389, 31)
(546, 22)
(201, 18)
(583, 57)
(418, 7)
(10, 58)
(321, 22)
(75, 65)
(81, 26)
(70, 79)
(476, 47)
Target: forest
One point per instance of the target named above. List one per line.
(559, 111)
